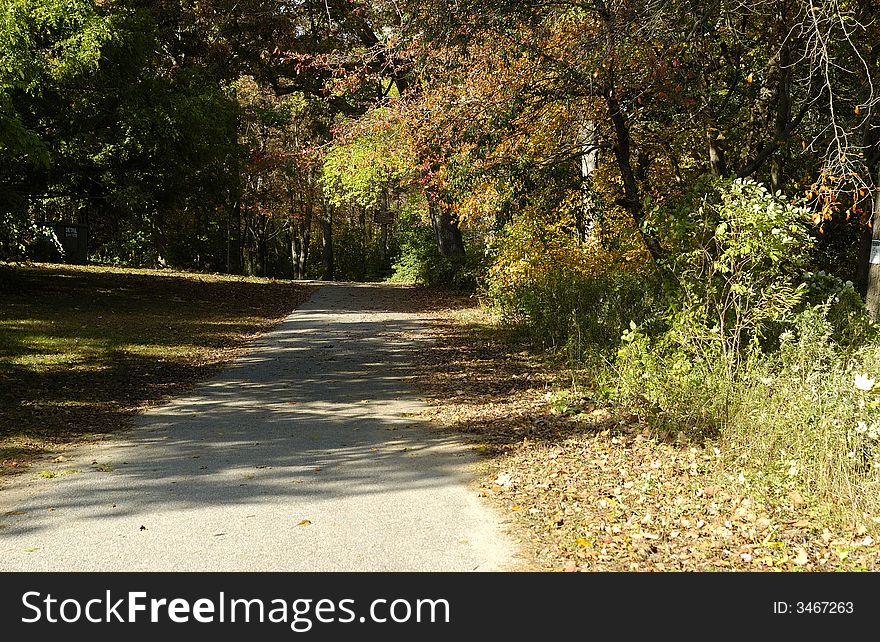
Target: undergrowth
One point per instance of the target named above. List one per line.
(734, 341)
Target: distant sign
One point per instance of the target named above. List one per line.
(383, 217)
(875, 252)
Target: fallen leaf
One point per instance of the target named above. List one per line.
(305, 522)
(801, 559)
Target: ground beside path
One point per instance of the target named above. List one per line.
(304, 455)
(588, 486)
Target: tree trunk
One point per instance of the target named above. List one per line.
(871, 145)
(293, 244)
(362, 265)
(327, 231)
(717, 164)
(383, 245)
(232, 214)
(864, 266)
(632, 199)
(305, 241)
(446, 230)
(873, 296)
(241, 236)
(783, 118)
(585, 219)
(300, 237)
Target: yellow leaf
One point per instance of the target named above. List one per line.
(304, 522)
(583, 542)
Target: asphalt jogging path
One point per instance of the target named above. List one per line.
(303, 455)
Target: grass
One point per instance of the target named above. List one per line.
(83, 348)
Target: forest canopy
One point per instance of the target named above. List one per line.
(432, 140)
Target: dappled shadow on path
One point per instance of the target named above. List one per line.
(81, 348)
(320, 408)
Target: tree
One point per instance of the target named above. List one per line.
(122, 138)
(673, 91)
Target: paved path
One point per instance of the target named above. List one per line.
(301, 456)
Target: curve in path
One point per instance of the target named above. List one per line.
(301, 456)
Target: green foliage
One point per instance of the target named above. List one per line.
(566, 402)
(419, 260)
(544, 280)
(844, 308)
(762, 355)
(369, 158)
(739, 280)
(43, 44)
(677, 390)
(89, 110)
(131, 247)
(17, 233)
(803, 412)
(743, 344)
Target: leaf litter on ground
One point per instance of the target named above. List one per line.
(596, 489)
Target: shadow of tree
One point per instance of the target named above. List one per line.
(81, 349)
(320, 408)
(488, 383)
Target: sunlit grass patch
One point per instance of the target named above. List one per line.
(83, 347)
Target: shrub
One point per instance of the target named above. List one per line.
(567, 293)
(745, 345)
(741, 279)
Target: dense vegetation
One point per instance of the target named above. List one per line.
(679, 195)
